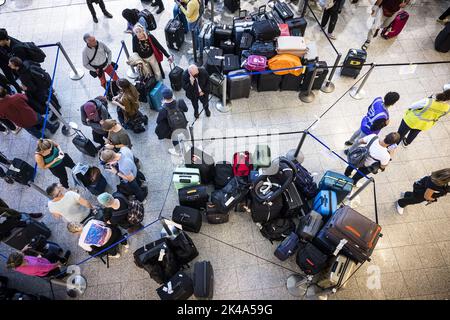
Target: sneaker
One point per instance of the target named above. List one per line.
(36, 215)
(348, 143)
(17, 130)
(115, 256)
(95, 19)
(144, 202)
(365, 45)
(402, 195)
(108, 15)
(208, 113)
(331, 36)
(399, 209)
(444, 21)
(196, 115)
(404, 143)
(154, 4)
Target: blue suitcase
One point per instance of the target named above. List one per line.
(338, 183)
(155, 96)
(325, 203)
(288, 247)
(254, 174)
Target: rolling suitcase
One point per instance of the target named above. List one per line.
(216, 85)
(353, 63)
(222, 32)
(174, 33)
(305, 182)
(214, 215)
(214, 60)
(21, 171)
(189, 218)
(238, 84)
(223, 172)
(268, 82)
(182, 246)
(232, 5)
(293, 45)
(283, 10)
(284, 29)
(297, 26)
(23, 236)
(242, 27)
(338, 183)
(293, 203)
(263, 212)
(325, 203)
(155, 96)
(287, 247)
(179, 287)
(273, 15)
(206, 36)
(246, 41)
(203, 280)
(176, 77)
(198, 159)
(194, 197)
(231, 62)
(84, 145)
(266, 49)
(442, 42)
(396, 26)
(227, 46)
(261, 156)
(318, 80)
(337, 275)
(310, 259)
(185, 177)
(290, 82)
(309, 226)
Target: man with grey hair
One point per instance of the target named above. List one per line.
(197, 87)
(102, 7)
(97, 58)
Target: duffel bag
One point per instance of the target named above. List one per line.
(285, 61)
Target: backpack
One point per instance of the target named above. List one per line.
(358, 156)
(278, 229)
(241, 164)
(304, 182)
(135, 210)
(149, 18)
(176, 118)
(40, 75)
(34, 53)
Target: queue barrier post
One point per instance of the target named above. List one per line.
(328, 86)
(357, 92)
(75, 74)
(131, 72)
(222, 106)
(309, 96)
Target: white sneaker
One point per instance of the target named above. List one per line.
(399, 209)
(173, 152)
(17, 130)
(116, 256)
(144, 202)
(443, 21)
(126, 247)
(331, 36)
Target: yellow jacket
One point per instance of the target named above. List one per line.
(193, 10)
(424, 114)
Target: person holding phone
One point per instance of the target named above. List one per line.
(197, 87)
(49, 155)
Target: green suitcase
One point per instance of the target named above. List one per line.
(262, 156)
(186, 177)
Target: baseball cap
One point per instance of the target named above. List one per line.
(91, 111)
(167, 93)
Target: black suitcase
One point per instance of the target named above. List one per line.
(318, 81)
(222, 32)
(273, 15)
(231, 62)
(228, 47)
(266, 49)
(260, 14)
(198, 159)
(23, 236)
(214, 60)
(232, 5)
(179, 287)
(174, 32)
(289, 82)
(283, 10)
(84, 145)
(293, 203)
(268, 82)
(194, 197)
(189, 218)
(223, 172)
(310, 259)
(442, 42)
(265, 211)
(203, 280)
(176, 78)
(297, 26)
(216, 85)
(266, 30)
(214, 215)
(21, 171)
(246, 41)
(239, 84)
(353, 63)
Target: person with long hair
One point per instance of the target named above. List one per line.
(429, 189)
(127, 101)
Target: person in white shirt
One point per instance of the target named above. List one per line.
(380, 153)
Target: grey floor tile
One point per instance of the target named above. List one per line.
(394, 287)
(408, 258)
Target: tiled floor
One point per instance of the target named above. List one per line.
(413, 257)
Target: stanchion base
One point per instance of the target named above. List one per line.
(297, 285)
(131, 74)
(67, 131)
(328, 87)
(222, 108)
(307, 98)
(357, 95)
(76, 76)
(290, 156)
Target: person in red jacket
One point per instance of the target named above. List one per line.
(15, 108)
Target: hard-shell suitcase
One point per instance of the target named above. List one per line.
(273, 15)
(262, 156)
(310, 259)
(189, 218)
(216, 85)
(242, 27)
(84, 145)
(223, 172)
(233, 193)
(338, 183)
(396, 26)
(179, 287)
(21, 171)
(195, 197)
(266, 30)
(260, 14)
(176, 77)
(305, 182)
(203, 280)
(214, 60)
(214, 215)
(442, 42)
(232, 5)
(231, 62)
(222, 32)
(228, 46)
(266, 49)
(318, 80)
(22, 236)
(283, 10)
(268, 82)
(293, 203)
(292, 44)
(325, 203)
(284, 29)
(297, 26)
(238, 84)
(174, 33)
(206, 36)
(186, 177)
(287, 247)
(353, 63)
(266, 211)
(246, 41)
(290, 82)
(155, 96)
(309, 226)
(198, 159)
(340, 270)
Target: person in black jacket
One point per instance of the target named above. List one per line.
(5, 54)
(36, 83)
(10, 219)
(164, 126)
(93, 114)
(102, 7)
(197, 87)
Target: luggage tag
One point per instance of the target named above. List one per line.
(162, 253)
(168, 289)
(340, 246)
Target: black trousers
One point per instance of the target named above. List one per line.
(160, 4)
(10, 75)
(91, 7)
(404, 130)
(445, 14)
(60, 170)
(331, 15)
(99, 137)
(358, 176)
(203, 99)
(411, 198)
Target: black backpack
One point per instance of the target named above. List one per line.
(176, 117)
(40, 75)
(183, 247)
(149, 18)
(305, 182)
(278, 229)
(34, 53)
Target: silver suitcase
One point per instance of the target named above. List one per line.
(309, 226)
(339, 272)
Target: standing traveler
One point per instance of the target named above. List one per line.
(133, 17)
(330, 15)
(170, 118)
(197, 86)
(377, 117)
(68, 205)
(10, 219)
(93, 114)
(117, 135)
(178, 14)
(49, 155)
(423, 115)
(443, 18)
(379, 155)
(193, 13)
(150, 50)
(101, 4)
(429, 189)
(33, 266)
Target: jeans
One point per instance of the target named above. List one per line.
(410, 198)
(91, 7)
(404, 130)
(177, 13)
(332, 16)
(203, 99)
(195, 27)
(358, 176)
(59, 171)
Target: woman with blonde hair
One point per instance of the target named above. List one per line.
(49, 155)
(429, 189)
(117, 136)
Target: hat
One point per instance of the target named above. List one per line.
(105, 199)
(91, 111)
(167, 93)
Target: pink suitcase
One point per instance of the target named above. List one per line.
(256, 63)
(396, 26)
(284, 29)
